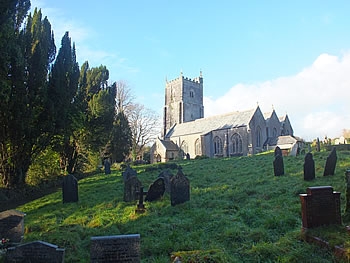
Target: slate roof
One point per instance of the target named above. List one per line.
(205, 125)
(169, 145)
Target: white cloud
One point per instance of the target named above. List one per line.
(315, 99)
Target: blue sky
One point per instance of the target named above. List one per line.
(294, 55)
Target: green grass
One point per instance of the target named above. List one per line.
(238, 208)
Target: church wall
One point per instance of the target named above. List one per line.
(257, 127)
(287, 127)
(273, 123)
(187, 143)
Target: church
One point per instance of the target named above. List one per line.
(187, 134)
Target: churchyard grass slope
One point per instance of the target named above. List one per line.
(237, 207)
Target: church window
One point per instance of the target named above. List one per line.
(191, 94)
(217, 145)
(258, 137)
(236, 142)
(197, 147)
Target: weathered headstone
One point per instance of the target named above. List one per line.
(140, 208)
(179, 188)
(128, 173)
(107, 166)
(188, 157)
(119, 248)
(278, 151)
(70, 189)
(12, 225)
(320, 206)
(156, 190)
(131, 188)
(331, 162)
(309, 167)
(166, 175)
(318, 145)
(37, 251)
(278, 166)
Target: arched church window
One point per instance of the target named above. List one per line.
(197, 147)
(258, 137)
(236, 142)
(217, 145)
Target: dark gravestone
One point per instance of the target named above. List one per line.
(140, 208)
(330, 163)
(320, 207)
(309, 167)
(12, 225)
(347, 177)
(318, 145)
(37, 251)
(166, 175)
(278, 166)
(70, 189)
(179, 188)
(107, 166)
(120, 248)
(188, 157)
(131, 188)
(128, 173)
(156, 190)
(278, 151)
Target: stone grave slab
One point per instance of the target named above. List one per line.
(278, 166)
(331, 162)
(156, 190)
(12, 225)
(309, 167)
(179, 188)
(70, 189)
(118, 248)
(131, 188)
(37, 251)
(320, 207)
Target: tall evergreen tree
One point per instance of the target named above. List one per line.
(24, 69)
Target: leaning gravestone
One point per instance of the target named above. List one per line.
(12, 225)
(128, 173)
(120, 248)
(179, 188)
(278, 166)
(131, 188)
(107, 166)
(309, 167)
(166, 175)
(330, 163)
(70, 189)
(320, 207)
(278, 151)
(156, 190)
(37, 251)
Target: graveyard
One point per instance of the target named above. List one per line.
(237, 210)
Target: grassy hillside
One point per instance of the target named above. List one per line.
(237, 207)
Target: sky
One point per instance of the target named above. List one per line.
(290, 56)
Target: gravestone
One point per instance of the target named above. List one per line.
(128, 173)
(140, 208)
(156, 190)
(320, 207)
(330, 163)
(179, 188)
(188, 157)
(278, 166)
(318, 145)
(119, 248)
(12, 225)
(309, 167)
(107, 166)
(278, 151)
(37, 251)
(70, 189)
(131, 187)
(166, 175)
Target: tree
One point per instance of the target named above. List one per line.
(120, 144)
(144, 124)
(124, 98)
(24, 67)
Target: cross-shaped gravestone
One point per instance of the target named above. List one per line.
(140, 206)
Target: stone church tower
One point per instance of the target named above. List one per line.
(183, 101)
